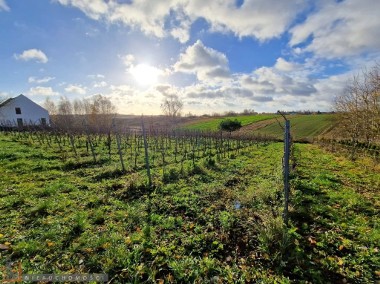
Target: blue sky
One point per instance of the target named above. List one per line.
(265, 55)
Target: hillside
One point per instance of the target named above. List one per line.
(212, 123)
(303, 127)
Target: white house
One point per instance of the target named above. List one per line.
(20, 111)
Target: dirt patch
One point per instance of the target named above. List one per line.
(256, 125)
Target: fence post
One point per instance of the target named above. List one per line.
(146, 154)
(118, 143)
(285, 167)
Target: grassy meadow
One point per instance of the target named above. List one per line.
(212, 124)
(209, 219)
(303, 127)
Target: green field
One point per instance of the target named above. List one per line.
(214, 219)
(213, 123)
(302, 126)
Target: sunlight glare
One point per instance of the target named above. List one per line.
(145, 74)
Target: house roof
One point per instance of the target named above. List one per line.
(5, 102)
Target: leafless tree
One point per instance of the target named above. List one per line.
(64, 118)
(172, 106)
(50, 106)
(100, 111)
(359, 107)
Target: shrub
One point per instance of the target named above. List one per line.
(230, 125)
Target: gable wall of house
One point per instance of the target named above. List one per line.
(31, 113)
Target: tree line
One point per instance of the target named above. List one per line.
(93, 114)
(358, 108)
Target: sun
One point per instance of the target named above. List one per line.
(145, 74)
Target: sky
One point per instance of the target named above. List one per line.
(216, 56)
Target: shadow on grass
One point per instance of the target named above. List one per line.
(309, 216)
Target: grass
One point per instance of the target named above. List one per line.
(76, 219)
(336, 216)
(213, 123)
(218, 221)
(304, 127)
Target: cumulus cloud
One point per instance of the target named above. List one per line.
(40, 80)
(100, 84)
(4, 6)
(42, 91)
(340, 29)
(262, 19)
(283, 65)
(32, 54)
(267, 80)
(92, 8)
(76, 89)
(206, 63)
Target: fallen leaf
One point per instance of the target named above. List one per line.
(1, 235)
(3, 247)
(312, 241)
(105, 245)
(128, 240)
(7, 243)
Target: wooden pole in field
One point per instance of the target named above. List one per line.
(146, 154)
(118, 142)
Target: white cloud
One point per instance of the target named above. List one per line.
(266, 80)
(205, 62)
(283, 65)
(262, 19)
(4, 6)
(100, 84)
(340, 29)
(32, 54)
(127, 59)
(3, 96)
(96, 76)
(76, 89)
(42, 91)
(122, 90)
(41, 80)
(92, 8)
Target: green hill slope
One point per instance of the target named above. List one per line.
(213, 123)
(302, 126)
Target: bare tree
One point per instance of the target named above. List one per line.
(50, 106)
(64, 118)
(100, 111)
(172, 106)
(359, 107)
(79, 108)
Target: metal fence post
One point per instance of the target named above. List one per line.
(286, 169)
